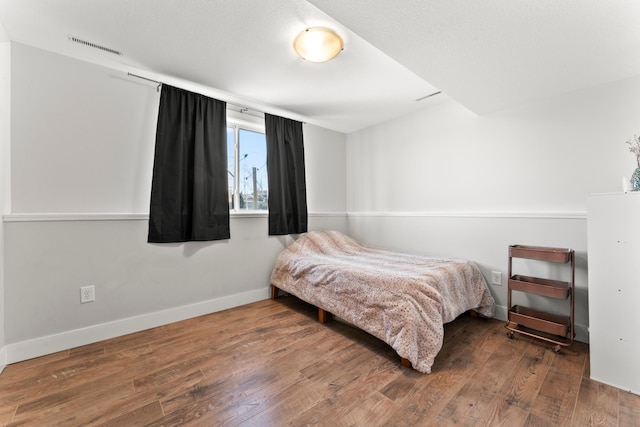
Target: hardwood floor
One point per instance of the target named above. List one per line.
(271, 364)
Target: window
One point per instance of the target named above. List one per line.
(247, 167)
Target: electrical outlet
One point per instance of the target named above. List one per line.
(496, 278)
(87, 294)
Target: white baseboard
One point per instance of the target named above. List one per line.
(582, 332)
(3, 358)
(500, 313)
(37, 347)
(42, 346)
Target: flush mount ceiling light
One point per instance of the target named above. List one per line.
(318, 44)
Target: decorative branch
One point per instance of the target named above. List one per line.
(634, 147)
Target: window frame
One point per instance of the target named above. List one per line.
(252, 126)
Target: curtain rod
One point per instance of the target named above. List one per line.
(242, 109)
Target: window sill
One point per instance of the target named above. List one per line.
(249, 214)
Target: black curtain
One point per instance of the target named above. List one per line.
(189, 199)
(285, 170)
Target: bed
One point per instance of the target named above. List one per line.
(402, 299)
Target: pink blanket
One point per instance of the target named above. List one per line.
(399, 298)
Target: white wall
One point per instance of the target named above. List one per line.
(82, 139)
(4, 37)
(5, 135)
(544, 157)
(83, 136)
(446, 182)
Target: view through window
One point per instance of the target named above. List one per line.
(247, 167)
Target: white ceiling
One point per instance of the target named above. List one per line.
(487, 55)
(492, 54)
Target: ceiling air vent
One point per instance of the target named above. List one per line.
(94, 45)
(428, 96)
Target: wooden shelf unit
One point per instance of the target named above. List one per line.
(557, 329)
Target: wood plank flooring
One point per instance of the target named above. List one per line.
(272, 364)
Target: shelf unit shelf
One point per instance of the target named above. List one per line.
(557, 329)
(545, 287)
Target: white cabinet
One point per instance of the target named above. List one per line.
(613, 228)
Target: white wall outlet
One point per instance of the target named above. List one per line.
(496, 278)
(87, 294)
